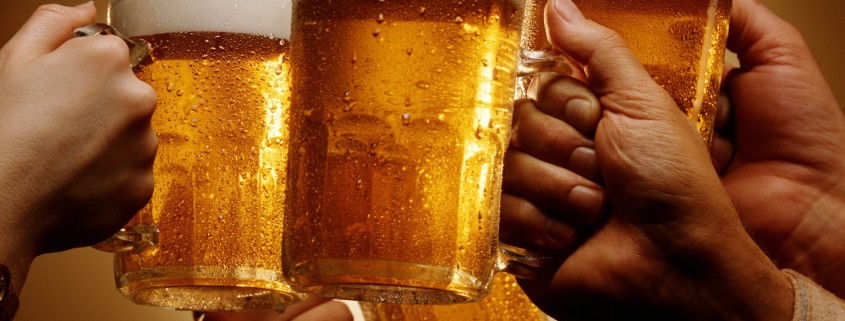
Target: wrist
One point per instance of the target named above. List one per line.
(816, 248)
(743, 284)
(17, 248)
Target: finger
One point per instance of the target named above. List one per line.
(723, 104)
(294, 310)
(49, 27)
(570, 100)
(254, 315)
(614, 72)
(773, 52)
(329, 311)
(564, 194)
(552, 141)
(721, 153)
(759, 37)
(525, 225)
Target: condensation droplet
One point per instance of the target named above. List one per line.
(406, 119)
(380, 18)
(422, 84)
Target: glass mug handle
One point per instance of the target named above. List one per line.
(135, 239)
(519, 262)
(141, 237)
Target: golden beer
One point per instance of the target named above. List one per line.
(400, 122)
(506, 302)
(680, 42)
(220, 176)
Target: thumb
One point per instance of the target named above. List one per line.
(642, 127)
(49, 27)
(614, 72)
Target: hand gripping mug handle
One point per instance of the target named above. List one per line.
(141, 237)
(520, 262)
(139, 50)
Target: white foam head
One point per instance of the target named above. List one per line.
(134, 18)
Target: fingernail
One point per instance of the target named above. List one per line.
(567, 10)
(587, 203)
(559, 232)
(582, 161)
(86, 4)
(579, 112)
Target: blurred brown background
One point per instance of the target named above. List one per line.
(79, 285)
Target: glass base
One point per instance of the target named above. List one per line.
(207, 288)
(388, 282)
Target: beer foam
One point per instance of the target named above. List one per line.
(269, 18)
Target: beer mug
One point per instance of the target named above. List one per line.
(399, 124)
(680, 42)
(506, 301)
(210, 239)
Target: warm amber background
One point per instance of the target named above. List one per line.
(78, 284)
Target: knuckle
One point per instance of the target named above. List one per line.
(551, 135)
(51, 12)
(110, 49)
(146, 99)
(151, 145)
(607, 38)
(141, 190)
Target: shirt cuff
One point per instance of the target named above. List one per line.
(812, 302)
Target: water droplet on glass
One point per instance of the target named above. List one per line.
(380, 18)
(459, 20)
(376, 32)
(406, 119)
(170, 86)
(422, 84)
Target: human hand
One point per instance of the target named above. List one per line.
(787, 175)
(313, 308)
(75, 138)
(673, 246)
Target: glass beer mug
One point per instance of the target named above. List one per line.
(695, 31)
(210, 239)
(400, 121)
(680, 42)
